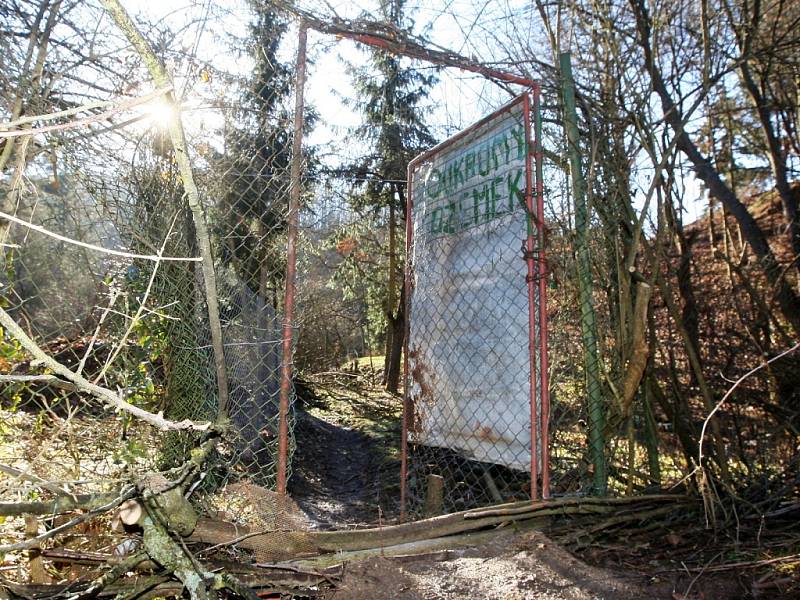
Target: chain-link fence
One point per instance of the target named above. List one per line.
(474, 403)
(102, 269)
(101, 260)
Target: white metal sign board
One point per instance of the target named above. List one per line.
(469, 361)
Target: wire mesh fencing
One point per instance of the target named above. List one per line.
(102, 270)
(101, 264)
(474, 402)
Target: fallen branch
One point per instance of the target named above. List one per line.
(277, 573)
(526, 506)
(746, 564)
(62, 504)
(181, 155)
(79, 558)
(397, 41)
(68, 240)
(291, 545)
(416, 548)
(45, 379)
(159, 586)
(33, 542)
(162, 585)
(309, 556)
(112, 399)
(42, 483)
(615, 521)
(113, 574)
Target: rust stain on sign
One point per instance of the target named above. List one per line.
(422, 376)
(422, 379)
(469, 338)
(486, 433)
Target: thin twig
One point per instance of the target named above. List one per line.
(42, 483)
(49, 379)
(122, 106)
(730, 391)
(68, 240)
(749, 564)
(719, 405)
(699, 574)
(90, 346)
(137, 317)
(27, 544)
(297, 570)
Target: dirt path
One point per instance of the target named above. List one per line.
(334, 477)
(340, 471)
(345, 474)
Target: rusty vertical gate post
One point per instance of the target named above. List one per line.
(291, 262)
(407, 409)
(541, 275)
(530, 278)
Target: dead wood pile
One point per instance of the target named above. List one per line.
(250, 562)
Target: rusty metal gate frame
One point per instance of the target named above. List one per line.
(534, 255)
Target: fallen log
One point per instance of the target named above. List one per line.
(294, 545)
(450, 542)
(527, 506)
(59, 505)
(164, 498)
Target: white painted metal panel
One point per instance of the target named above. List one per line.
(469, 360)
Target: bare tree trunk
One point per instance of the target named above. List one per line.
(689, 315)
(391, 292)
(396, 318)
(786, 297)
(678, 414)
(28, 84)
(162, 79)
(775, 153)
(696, 367)
(393, 360)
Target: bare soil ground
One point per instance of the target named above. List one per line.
(334, 478)
(346, 475)
(346, 471)
(523, 567)
(531, 566)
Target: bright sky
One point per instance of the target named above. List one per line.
(458, 99)
(466, 26)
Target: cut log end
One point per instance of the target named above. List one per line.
(130, 513)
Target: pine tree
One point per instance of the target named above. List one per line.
(389, 95)
(256, 167)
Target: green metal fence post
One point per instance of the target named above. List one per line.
(584, 267)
